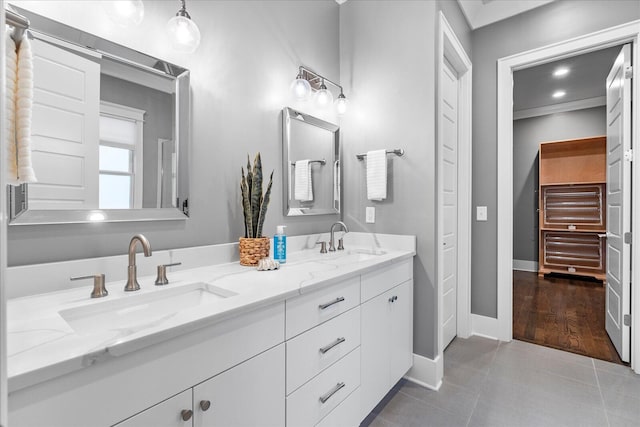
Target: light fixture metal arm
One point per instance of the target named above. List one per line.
(318, 76)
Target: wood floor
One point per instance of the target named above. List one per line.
(561, 312)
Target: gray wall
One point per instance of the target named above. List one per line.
(527, 136)
(388, 66)
(551, 23)
(240, 77)
(158, 123)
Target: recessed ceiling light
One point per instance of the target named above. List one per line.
(559, 94)
(561, 72)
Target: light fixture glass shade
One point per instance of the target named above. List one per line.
(184, 33)
(341, 104)
(300, 88)
(323, 97)
(125, 13)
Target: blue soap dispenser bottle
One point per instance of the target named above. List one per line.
(280, 245)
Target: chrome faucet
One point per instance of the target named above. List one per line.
(132, 280)
(332, 246)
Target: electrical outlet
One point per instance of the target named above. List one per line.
(481, 213)
(370, 216)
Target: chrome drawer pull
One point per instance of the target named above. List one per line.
(327, 396)
(328, 347)
(329, 304)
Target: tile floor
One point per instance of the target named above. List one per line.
(490, 383)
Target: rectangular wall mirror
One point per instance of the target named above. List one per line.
(311, 165)
(109, 133)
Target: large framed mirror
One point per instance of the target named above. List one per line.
(311, 165)
(110, 132)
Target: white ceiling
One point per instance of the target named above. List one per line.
(484, 12)
(532, 87)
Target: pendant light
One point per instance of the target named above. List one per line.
(341, 104)
(125, 13)
(185, 35)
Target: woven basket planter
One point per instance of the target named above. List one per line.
(253, 250)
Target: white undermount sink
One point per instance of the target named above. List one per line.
(136, 312)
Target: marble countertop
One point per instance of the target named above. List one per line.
(42, 345)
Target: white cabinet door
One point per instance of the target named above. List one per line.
(386, 343)
(401, 347)
(168, 413)
(374, 345)
(250, 394)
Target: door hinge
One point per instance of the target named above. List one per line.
(628, 155)
(626, 319)
(627, 237)
(628, 72)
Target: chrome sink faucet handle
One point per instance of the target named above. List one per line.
(132, 279)
(323, 247)
(161, 278)
(332, 246)
(99, 289)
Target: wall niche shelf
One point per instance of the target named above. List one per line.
(572, 207)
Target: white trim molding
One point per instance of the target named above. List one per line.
(581, 104)
(451, 50)
(525, 265)
(484, 326)
(426, 372)
(625, 33)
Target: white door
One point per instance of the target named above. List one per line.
(448, 159)
(66, 107)
(618, 298)
(169, 413)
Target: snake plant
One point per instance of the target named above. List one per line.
(254, 204)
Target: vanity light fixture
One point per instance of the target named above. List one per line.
(560, 72)
(185, 34)
(125, 13)
(307, 82)
(559, 94)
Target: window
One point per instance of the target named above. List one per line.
(120, 163)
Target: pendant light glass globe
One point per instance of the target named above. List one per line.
(341, 104)
(184, 33)
(300, 88)
(323, 96)
(125, 13)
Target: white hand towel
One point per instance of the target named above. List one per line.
(24, 108)
(10, 117)
(304, 186)
(377, 175)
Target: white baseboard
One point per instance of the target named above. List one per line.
(426, 372)
(484, 326)
(525, 265)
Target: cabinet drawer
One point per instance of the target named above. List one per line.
(317, 398)
(306, 311)
(381, 280)
(317, 349)
(346, 414)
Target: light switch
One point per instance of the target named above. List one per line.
(481, 213)
(370, 216)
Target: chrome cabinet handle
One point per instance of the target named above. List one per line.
(327, 396)
(328, 347)
(186, 414)
(205, 405)
(329, 304)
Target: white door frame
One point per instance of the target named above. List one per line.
(629, 32)
(449, 47)
(4, 217)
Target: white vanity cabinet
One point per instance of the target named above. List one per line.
(387, 331)
(246, 395)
